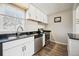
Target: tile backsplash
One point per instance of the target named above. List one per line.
(8, 23)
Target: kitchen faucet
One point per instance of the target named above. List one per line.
(18, 32)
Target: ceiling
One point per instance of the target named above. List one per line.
(50, 8)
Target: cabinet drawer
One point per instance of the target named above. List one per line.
(15, 51)
(14, 43)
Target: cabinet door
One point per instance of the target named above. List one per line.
(77, 12)
(15, 51)
(42, 17)
(38, 15)
(19, 50)
(32, 12)
(30, 46)
(45, 19)
(14, 48)
(28, 14)
(73, 47)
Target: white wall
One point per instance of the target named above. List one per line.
(60, 30)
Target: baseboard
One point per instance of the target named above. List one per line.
(59, 42)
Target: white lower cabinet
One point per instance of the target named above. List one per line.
(15, 51)
(73, 47)
(21, 47)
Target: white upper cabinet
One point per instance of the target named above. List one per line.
(31, 13)
(45, 19)
(41, 17)
(77, 12)
(35, 14)
(38, 15)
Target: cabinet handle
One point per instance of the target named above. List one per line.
(23, 48)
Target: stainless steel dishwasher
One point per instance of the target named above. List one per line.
(38, 43)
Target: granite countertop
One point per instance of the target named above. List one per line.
(73, 36)
(5, 37)
(10, 36)
(14, 38)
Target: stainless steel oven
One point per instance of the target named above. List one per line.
(47, 38)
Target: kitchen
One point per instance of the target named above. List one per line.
(27, 29)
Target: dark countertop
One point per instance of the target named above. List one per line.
(4, 37)
(73, 36)
(15, 33)
(47, 30)
(15, 38)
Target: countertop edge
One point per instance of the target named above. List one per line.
(73, 36)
